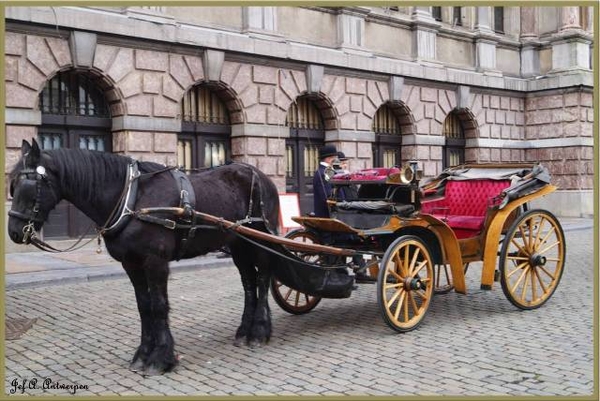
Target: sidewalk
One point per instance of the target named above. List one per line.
(30, 269)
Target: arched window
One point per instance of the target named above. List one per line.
(75, 114)
(307, 135)
(454, 149)
(388, 139)
(205, 137)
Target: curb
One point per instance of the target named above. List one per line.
(87, 274)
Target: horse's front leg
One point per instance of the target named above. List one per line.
(162, 357)
(140, 285)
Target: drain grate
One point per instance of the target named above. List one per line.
(16, 327)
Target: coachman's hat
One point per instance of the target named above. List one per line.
(342, 156)
(326, 151)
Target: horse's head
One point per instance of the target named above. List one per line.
(33, 194)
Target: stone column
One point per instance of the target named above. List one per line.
(528, 23)
(424, 34)
(569, 18)
(351, 28)
(530, 58)
(485, 43)
(571, 45)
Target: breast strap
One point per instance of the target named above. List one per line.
(188, 203)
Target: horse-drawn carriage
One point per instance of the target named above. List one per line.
(418, 240)
(412, 240)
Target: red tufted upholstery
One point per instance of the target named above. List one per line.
(464, 204)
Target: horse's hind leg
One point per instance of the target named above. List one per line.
(261, 325)
(140, 286)
(162, 357)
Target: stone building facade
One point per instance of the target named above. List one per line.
(517, 79)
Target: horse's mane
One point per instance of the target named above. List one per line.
(81, 170)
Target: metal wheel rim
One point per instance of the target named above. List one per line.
(533, 256)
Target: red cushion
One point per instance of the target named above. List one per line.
(464, 204)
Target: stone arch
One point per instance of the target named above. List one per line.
(114, 96)
(226, 94)
(468, 121)
(324, 105)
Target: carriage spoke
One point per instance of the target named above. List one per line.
(396, 275)
(557, 243)
(287, 295)
(532, 275)
(523, 251)
(421, 294)
(552, 229)
(524, 291)
(413, 262)
(297, 301)
(394, 297)
(413, 303)
(398, 307)
(523, 238)
(418, 268)
(547, 272)
(542, 286)
(405, 307)
(393, 285)
(519, 279)
(517, 268)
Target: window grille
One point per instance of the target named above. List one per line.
(72, 93)
(303, 114)
(202, 105)
(454, 152)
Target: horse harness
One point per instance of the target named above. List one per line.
(186, 224)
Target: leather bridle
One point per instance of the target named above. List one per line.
(33, 216)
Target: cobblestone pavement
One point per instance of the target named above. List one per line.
(475, 344)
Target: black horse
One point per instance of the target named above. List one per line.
(96, 183)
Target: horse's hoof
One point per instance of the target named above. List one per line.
(152, 371)
(239, 342)
(136, 366)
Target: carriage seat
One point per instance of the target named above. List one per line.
(464, 204)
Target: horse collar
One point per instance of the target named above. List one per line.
(121, 215)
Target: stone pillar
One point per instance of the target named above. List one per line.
(530, 58)
(350, 29)
(569, 18)
(483, 17)
(485, 43)
(529, 26)
(571, 46)
(259, 19)
(425, 30)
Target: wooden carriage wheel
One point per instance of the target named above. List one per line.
(405, 283)
(532, 258)
(289, 299)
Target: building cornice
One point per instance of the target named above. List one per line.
(190, 39)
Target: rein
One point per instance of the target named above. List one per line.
(115, 222)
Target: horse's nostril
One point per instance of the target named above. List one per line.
(15, 236)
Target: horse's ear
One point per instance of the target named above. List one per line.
(31, 153)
